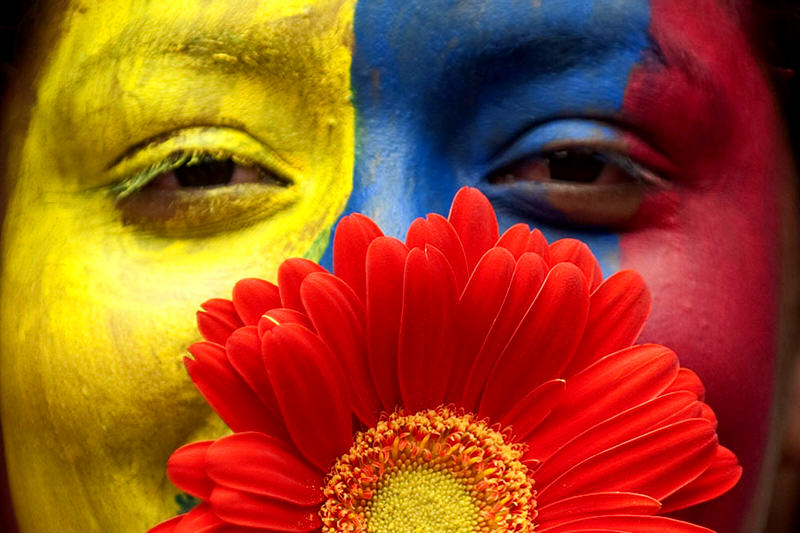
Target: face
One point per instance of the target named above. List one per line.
(621, 122)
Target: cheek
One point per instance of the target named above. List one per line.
(710, 249)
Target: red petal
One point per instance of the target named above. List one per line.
(200, 520)
(637, 524)
(250, 510)
(544, 342)
(596, 504)
(515, 239)
(217, 320)
(533, 408)
(186, 469)
(474, 220)
(619, 308)
(721, 476)
(708, 414)
(226, 391)
(386, 261)
(476, 312)
(291, 274)
(353, 235)
(338, 317)
(276, 317)
(538, 245)
(576, 252)
(438, 232)
(656, 464)
(688, 380)
(310, 388)
(244, 353)
(609, 433)
(252, 297)
(528, 277)
(259, 464)
(426, 350)
(613, 384)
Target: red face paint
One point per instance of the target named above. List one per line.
(710, 248)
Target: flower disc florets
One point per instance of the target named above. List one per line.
(434, 471)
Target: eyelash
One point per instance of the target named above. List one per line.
(184, 159)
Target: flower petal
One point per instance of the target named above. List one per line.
(543, 344)
(352, 238)
(309, 387)
(227, 392)
(259, 464)
(633, 524)
(538, 245)
(186, 469)
(438, 232)
(619, 308)
(291, 274)
(386, 262)
(578, 253)
(244, 353)
(217, 319)
(276, 317)
(200, 519)
(525, 284)
(515, 239)
(477, 309)
(250, 510)
(474, 220)
(425, 354)
(723, 473)
(532, 409)
(609, 433)
(338, 316)
(252, 297)
(596, 504)
(688, 380)
(614, 384)
(656, 464)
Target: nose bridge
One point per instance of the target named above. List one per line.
(397, 176)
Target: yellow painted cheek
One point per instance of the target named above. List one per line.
(96, 312)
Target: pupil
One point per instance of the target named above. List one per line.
(576, 167)
(208, 172)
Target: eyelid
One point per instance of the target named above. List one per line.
(133, 171)
(602, 138)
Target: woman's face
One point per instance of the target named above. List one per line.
(645, 128)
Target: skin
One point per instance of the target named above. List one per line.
(694, 189)
(110, 290)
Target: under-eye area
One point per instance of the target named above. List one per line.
(575, 186)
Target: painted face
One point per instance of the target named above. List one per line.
(110, 245)
(645, 128)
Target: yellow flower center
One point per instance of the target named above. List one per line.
(434, 471)
(418, 499)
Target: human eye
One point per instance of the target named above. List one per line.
(574, 176)
(200, 181)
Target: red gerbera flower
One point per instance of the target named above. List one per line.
(461, 381)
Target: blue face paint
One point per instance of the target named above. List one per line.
(447, 92)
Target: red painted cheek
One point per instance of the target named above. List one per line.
(710, 249)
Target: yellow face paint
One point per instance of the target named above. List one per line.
(103, 270)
